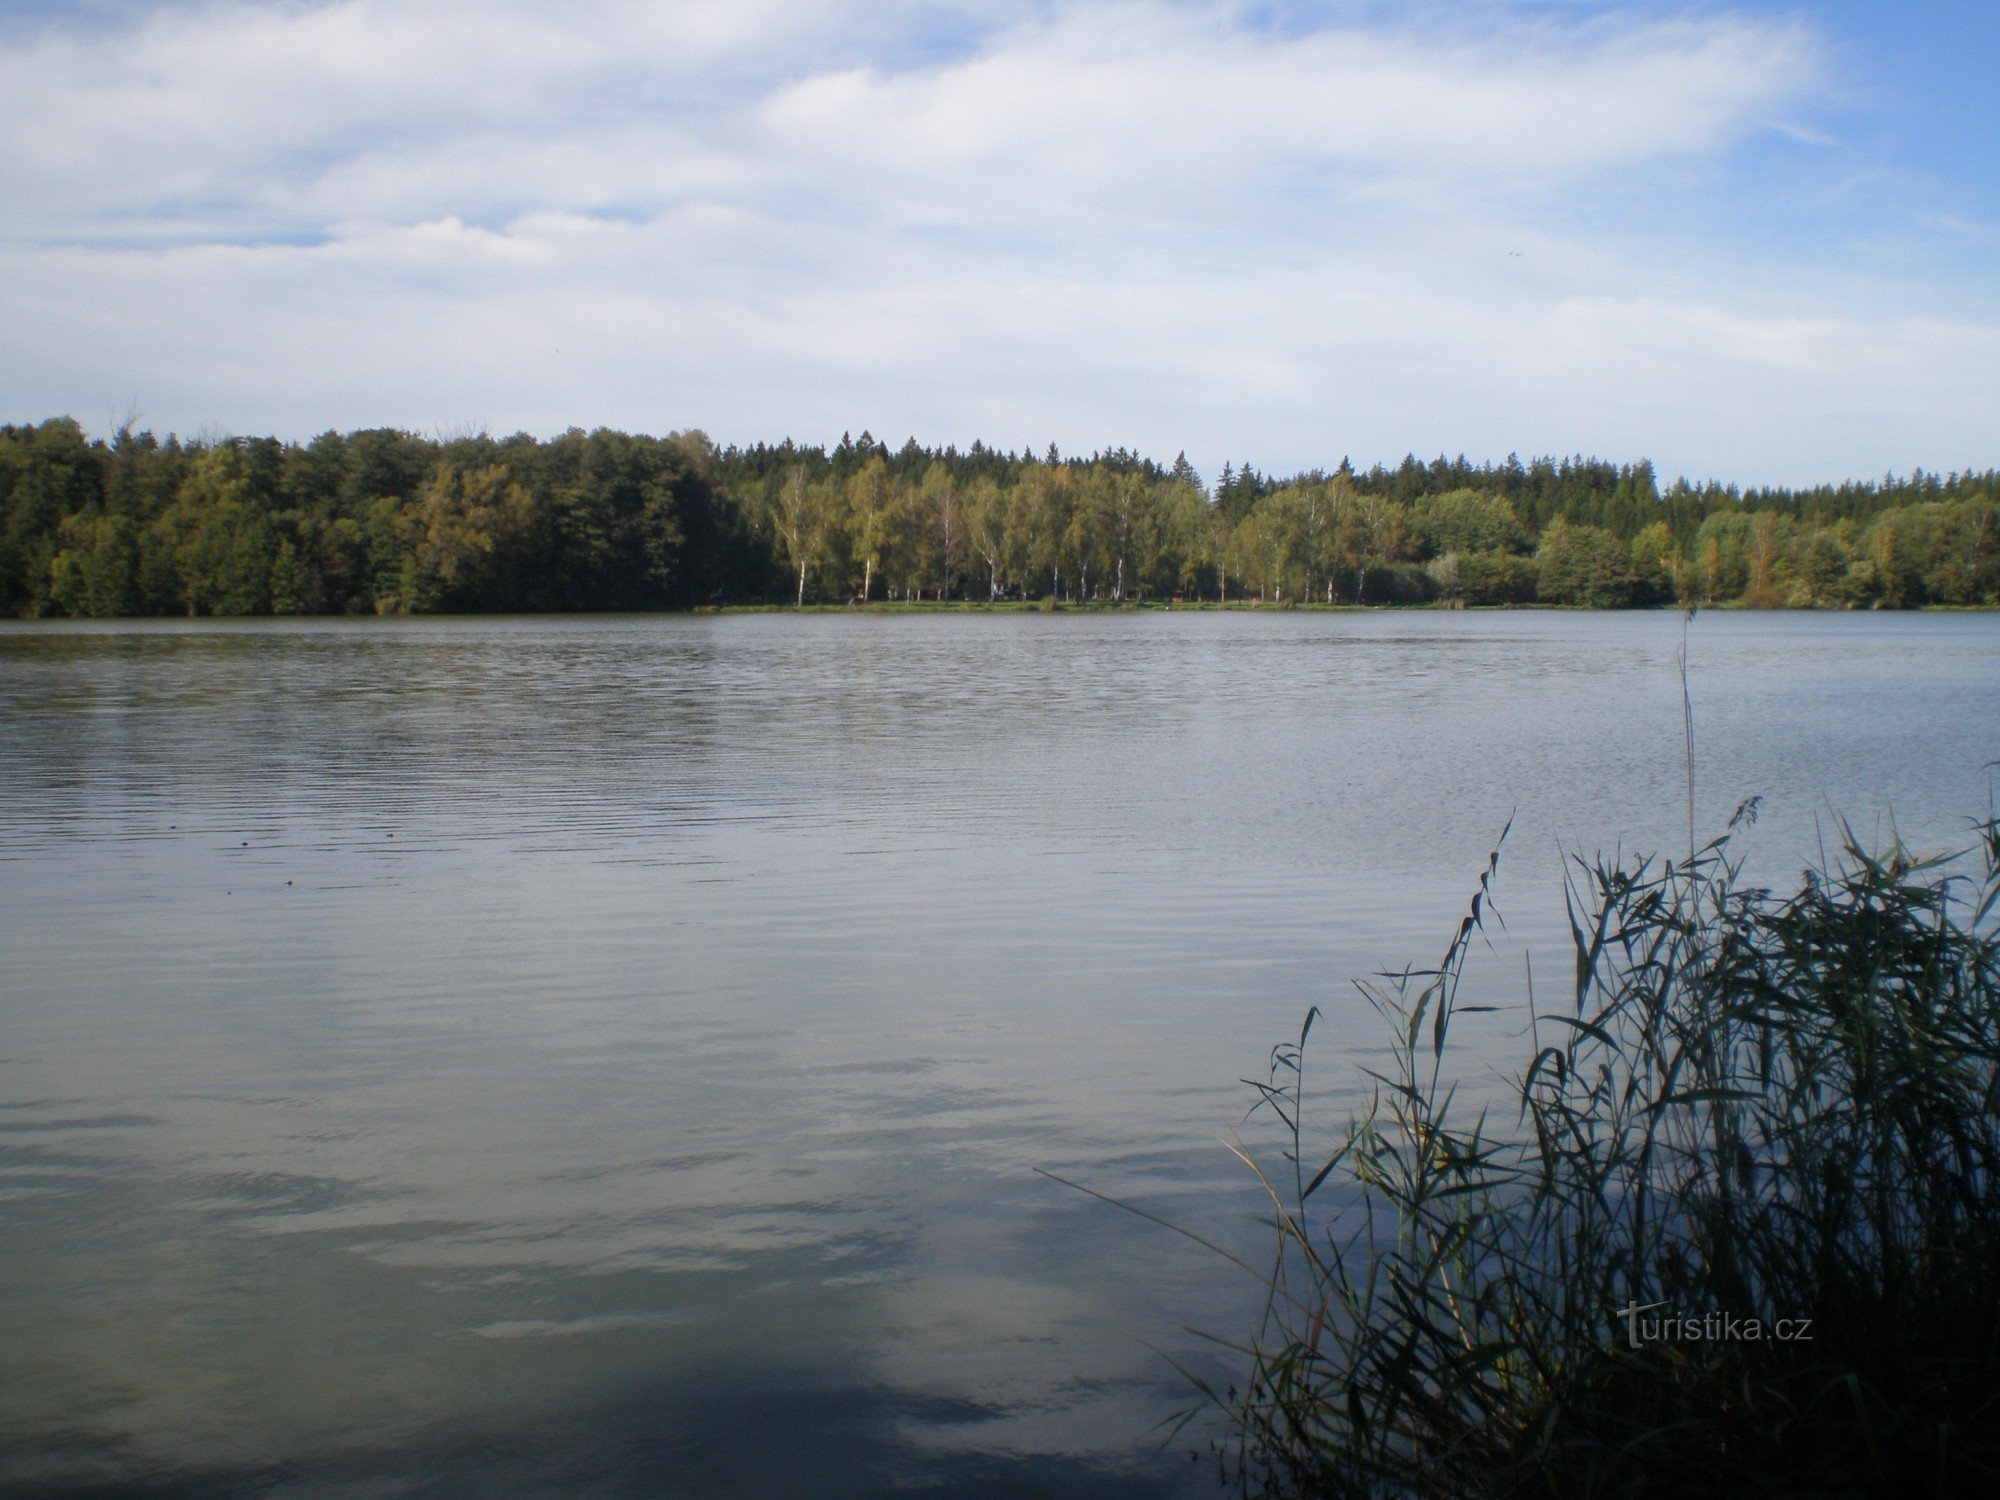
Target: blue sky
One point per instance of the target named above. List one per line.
(1755, 242)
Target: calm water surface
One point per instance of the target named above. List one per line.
(610, 1056)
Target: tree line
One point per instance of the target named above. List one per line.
(384, 521)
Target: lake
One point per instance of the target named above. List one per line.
(611, 1056)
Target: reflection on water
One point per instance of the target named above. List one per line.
(610, 1056)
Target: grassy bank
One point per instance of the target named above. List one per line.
(1737, 1229)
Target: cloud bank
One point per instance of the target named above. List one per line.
(1154, 224)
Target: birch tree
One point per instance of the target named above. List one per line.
(800, 515)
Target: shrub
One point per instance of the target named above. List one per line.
(1396, 583)
(1484, 577)
(1781, 1111)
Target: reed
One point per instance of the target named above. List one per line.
(1737, 1228)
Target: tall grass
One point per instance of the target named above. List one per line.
(1752, 1107)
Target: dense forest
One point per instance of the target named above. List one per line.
(384, 521)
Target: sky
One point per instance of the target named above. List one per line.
(1752, 242)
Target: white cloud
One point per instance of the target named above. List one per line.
(241, 108)
(1149, 223)
(1137, 101)
(297, 119)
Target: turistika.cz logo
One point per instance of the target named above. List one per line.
(1709, 1328)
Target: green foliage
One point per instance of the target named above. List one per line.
(466, 536)
(1491, 577)
(47, 475)
(1586, 565)
(220, 534)
(1466, 521)
(1657, 569)
(1779, 1110)
(1722, 555)
(96, 571)
(1936, 553)
(368, 521)
(382, 520)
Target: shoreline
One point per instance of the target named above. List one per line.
(1020, 607)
